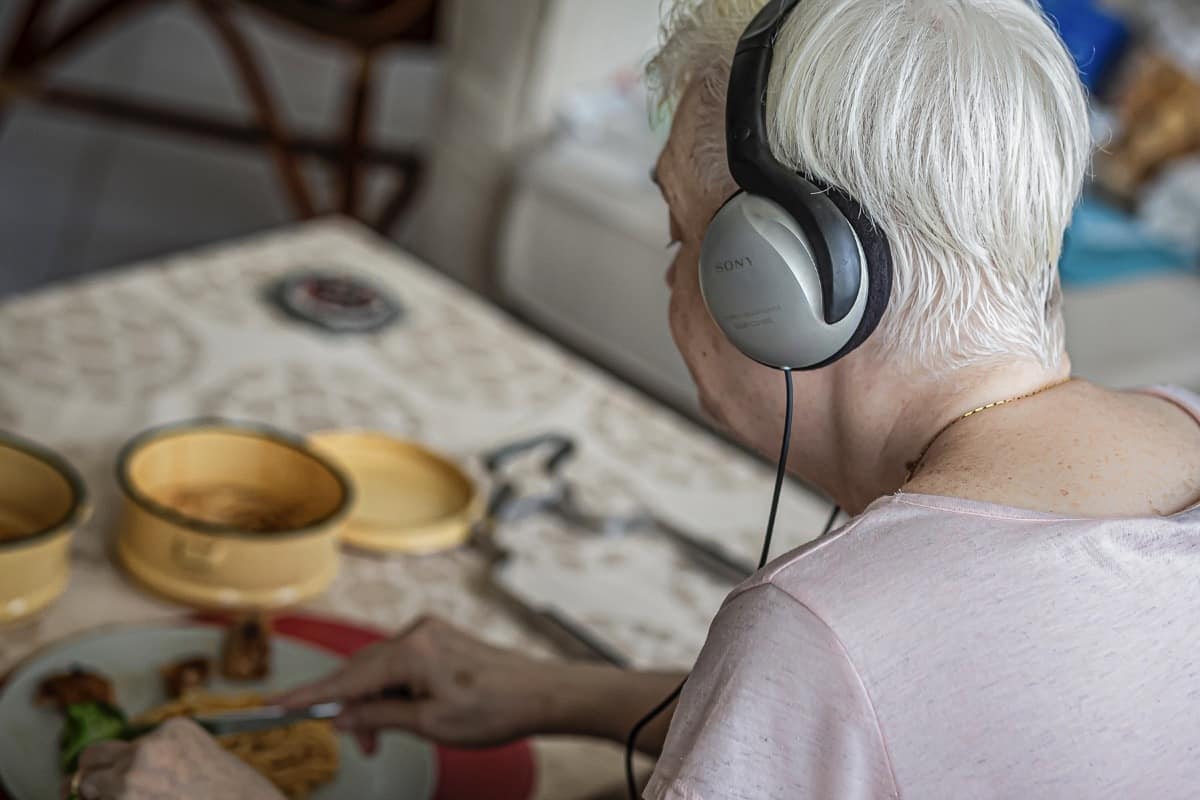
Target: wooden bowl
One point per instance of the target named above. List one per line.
(227, 514)
(408, 499)
(42, 503)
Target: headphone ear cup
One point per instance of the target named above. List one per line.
(878, 253)
(760, 284)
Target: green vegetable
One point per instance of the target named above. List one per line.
(88, 723)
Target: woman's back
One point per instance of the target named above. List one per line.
(944, 647)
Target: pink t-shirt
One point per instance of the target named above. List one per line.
(945, 648)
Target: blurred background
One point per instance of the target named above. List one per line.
(508, 145)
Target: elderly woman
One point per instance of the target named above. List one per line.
(1011, 611)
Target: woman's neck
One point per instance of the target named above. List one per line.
(879, 422)
(1079, 450)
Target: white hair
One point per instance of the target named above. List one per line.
(961, 127)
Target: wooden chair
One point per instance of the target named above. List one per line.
(364, 27)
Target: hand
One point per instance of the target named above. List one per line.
(464, 692)
(177, 760)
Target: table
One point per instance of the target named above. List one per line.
(88, 365)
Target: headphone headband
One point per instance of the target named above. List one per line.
(746, 102)
(755, 169)
(793, 271)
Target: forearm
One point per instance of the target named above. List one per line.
(606, 702)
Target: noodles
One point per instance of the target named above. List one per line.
(237, 506)
(297, 758)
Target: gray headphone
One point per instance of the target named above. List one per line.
(794, 272)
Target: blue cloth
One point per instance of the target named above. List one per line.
(1105, 245)
(1095, 38)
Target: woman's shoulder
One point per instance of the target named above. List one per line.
(892, 531)
(895, 532)
(912, 560)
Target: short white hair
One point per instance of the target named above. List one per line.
(961, 126)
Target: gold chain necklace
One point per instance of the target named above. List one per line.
(914, 465)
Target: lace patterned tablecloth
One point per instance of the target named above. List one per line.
(87, 365)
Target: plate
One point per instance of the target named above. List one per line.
(404, 766)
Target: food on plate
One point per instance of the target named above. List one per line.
(246, 651)
(87, 723)
(297, 758)
(238, 507)
(64, 689)
(185, 675)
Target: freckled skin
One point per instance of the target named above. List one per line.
(1089, 429)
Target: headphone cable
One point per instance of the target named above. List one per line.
(781, 471)
(631, 740)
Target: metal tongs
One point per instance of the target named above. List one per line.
(562, 501)
(507, 503)
(501, 505)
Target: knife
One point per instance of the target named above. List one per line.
(249, 720)
(246, 720)
(264, 718)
